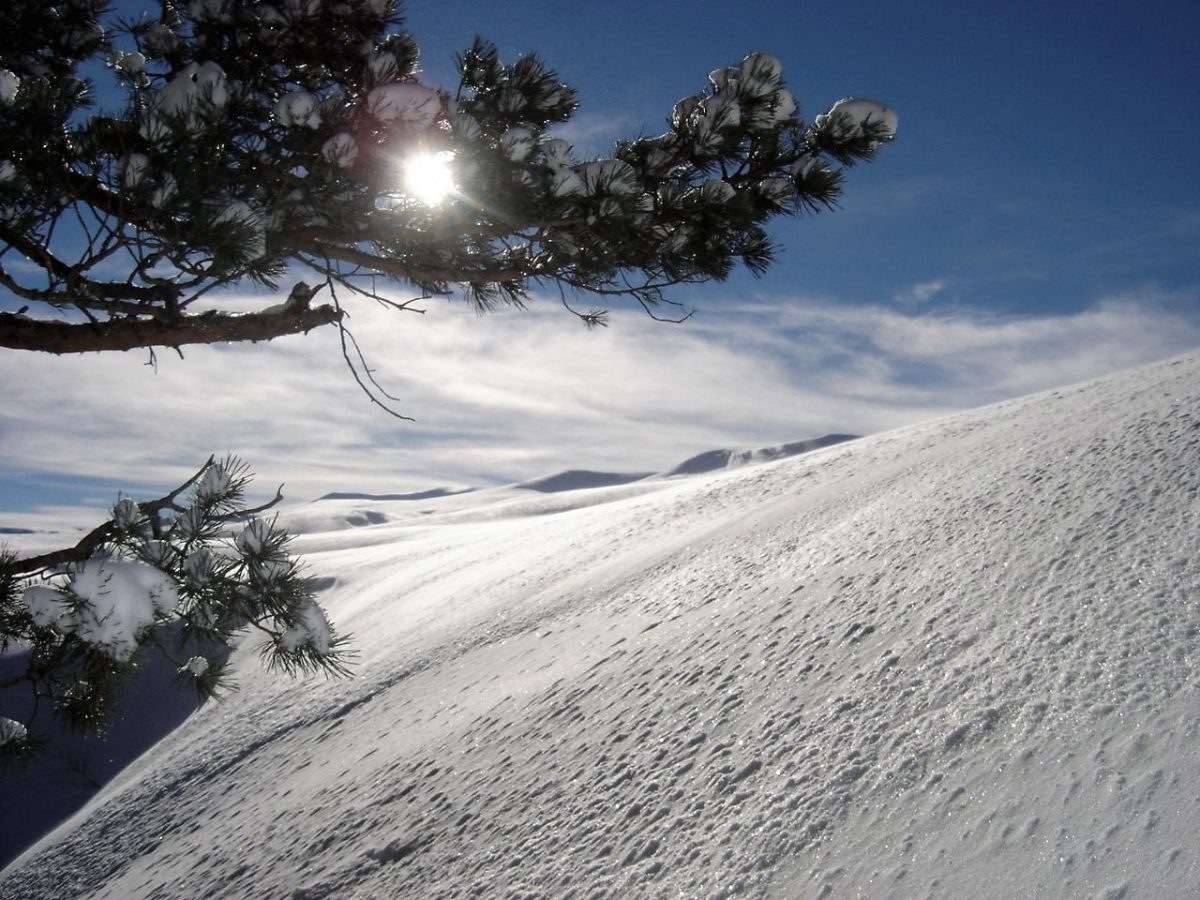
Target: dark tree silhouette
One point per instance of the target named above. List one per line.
(258, 138)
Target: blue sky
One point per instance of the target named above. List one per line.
(1036, 223)
(1046, 152)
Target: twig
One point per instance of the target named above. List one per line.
(99, 535)
(347, 340)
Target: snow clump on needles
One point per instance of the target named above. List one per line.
(106, 602)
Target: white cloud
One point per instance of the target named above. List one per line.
(516, 395)
(920, 293)
(593, 134)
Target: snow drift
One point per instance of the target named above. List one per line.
(954, 659)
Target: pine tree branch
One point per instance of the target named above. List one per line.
(83, 300)
(19, 332)
(82, 291)
(87, 546)
(101, 534)
(398, 269)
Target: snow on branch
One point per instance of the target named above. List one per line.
(183, 574)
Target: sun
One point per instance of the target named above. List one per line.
(429, 177)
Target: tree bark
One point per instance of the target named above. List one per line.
(19, 332)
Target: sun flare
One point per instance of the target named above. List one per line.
(429, 177)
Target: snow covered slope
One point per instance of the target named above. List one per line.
(959, 659)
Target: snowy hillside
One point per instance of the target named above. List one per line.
(958, 659)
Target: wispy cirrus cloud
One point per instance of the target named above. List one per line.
(517, 395)
(920, 293)
(593, 134)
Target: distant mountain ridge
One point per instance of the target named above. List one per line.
(431, 494)
(702, 463)
(578, 479)
(731, 459)
(582, 479)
